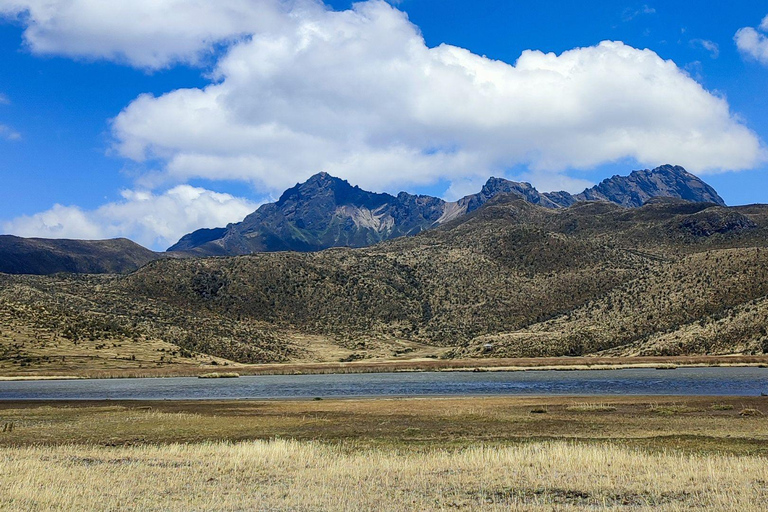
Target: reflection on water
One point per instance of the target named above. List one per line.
(682, 381)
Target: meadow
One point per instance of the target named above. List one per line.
(532, 453)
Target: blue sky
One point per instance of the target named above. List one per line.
(197, 116)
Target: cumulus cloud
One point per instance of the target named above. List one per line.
(144, 33)
(154, 220)
(358, 94)
(299, 88)
(753, 42)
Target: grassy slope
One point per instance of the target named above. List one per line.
(46, 256)
(527, 280)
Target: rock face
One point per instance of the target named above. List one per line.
(636, 189)
(44, 256)
(328, 212)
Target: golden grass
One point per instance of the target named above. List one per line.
(219, 375)
(290, 475)
(672, 409)
(591, 407)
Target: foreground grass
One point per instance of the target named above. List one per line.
(520, 453)
(291, 475)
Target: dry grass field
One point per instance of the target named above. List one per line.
(291, 475)
(520, 453)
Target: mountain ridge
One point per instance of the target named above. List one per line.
(326, 211)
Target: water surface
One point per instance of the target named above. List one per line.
(681, 381)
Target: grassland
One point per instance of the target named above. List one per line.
(288, 475)
(690, 424)
(620, 453)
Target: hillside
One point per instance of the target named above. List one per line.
(510, 278)
(327, 212)
(49, 256)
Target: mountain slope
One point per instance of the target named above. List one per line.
(48, 256)
(524, 279)
(328, 212)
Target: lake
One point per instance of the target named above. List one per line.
(681, 381)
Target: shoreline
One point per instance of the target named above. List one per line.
(412, 365)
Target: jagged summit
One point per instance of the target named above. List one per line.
(640, 186)
(326, 211)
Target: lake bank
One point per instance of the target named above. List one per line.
(384, 366)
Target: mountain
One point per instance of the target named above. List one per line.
(510, 278)
(323, 212)
(49, 256)
(636, 189)
(327, 212)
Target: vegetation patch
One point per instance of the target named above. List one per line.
(591, 407)
(672, 409)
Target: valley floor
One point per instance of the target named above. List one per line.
(532, 453)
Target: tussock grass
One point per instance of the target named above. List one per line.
(672, 409)
(591, 407)
(748, 411)
(219, 375)
(722, 407)
(290, 475)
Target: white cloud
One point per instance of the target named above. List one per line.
(154, 220)
(753, 43)
(358, 94)
(144, 33)
(4, 99)
(8, 133)
(301, 88)
(710, 46)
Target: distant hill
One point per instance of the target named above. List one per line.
(326, 212)
(508, 279)
(48, 256)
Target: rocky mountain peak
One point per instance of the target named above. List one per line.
(326, 211)
(665, 181)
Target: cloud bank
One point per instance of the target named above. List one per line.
(299, 88)
(150, 34)
(358, 94)
(753, 42)
(153, 220)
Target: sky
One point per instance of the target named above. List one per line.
(152, 118)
